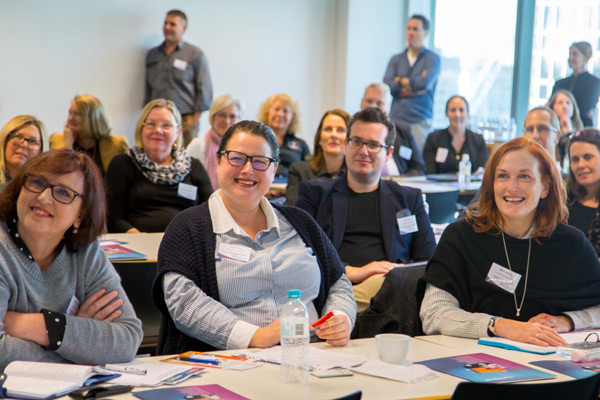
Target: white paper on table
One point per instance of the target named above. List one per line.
(570, 337)
(318, 359)
(414, 373)
(155, 373)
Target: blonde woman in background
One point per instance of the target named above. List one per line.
(156, 179)
(564, 105)
(22, 138)
(281, 113)
(225, 111)
(88, 130)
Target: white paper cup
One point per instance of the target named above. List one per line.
(392, 348)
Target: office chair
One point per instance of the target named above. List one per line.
(352, 396)
(580, 389)
(442, 206)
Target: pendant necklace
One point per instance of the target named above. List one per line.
(518, 307)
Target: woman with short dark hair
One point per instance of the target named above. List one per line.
(60, 298)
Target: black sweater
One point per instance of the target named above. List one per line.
(135, 202)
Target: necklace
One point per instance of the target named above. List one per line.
(526, 275)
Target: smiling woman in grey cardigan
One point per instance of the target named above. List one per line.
(60, 298)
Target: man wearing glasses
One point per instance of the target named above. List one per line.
(373, 224)
(542, 125)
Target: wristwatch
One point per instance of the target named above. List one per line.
(492, 325)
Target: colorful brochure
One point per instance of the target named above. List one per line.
(569, 368)
(481, 367)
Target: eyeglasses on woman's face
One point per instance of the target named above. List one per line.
(62, 194)
(239, 159)
(18, 140)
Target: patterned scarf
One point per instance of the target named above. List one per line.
(162, 174)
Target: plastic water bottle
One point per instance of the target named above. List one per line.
(464, 171)
(295, 338)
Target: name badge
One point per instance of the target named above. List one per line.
(407, 224)
(73, 307)
(503, 278)
(187, 191)
(405, 152)
(234, 252)
(180, 64)
(441, 155)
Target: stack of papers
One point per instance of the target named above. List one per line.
(411, 374)
(570, 337)
(155, 373)
(318, 360)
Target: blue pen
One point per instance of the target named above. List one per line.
(199, 360)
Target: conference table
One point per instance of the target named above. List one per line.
(264, 382)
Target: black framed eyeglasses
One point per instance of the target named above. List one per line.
(239, 159)
(19, 139)
(373, 147)
(62, 194)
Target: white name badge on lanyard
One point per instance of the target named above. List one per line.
(441, 155)
(405, 152)
(234, 252)
(180, 64)
(407, 224)
(503, 278)
(187, 191)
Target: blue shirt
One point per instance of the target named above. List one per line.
(422, 76)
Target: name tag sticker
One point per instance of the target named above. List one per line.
(407, 224)
(187, 191)
(234, 252)
(180, 64)
(503, 278)
(405, 152)
(73, 307)
(441, 155)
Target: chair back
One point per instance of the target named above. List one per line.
(351, 396)
(394, 309)
(442, 206)
(580, 389)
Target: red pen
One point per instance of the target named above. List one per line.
(325, 318)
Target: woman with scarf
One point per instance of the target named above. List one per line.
(156, 179)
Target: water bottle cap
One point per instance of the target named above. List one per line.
(294, 293)
(466, 157)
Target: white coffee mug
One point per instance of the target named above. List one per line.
(392, 347)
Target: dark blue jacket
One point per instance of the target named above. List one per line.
(327, 201)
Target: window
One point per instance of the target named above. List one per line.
(475, 40)
(557, 25)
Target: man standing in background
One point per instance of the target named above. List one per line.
(412, 76)
(178, 71)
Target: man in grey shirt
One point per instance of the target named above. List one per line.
(178, 71)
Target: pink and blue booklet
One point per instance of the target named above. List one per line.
(186, 392)
(481, 367)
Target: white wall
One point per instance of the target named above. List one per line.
(54, 50)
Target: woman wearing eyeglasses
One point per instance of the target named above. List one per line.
(224, 111)
(22, 138)
(583, 184)
(88, 129)
(61, 299)
(241, 255)
(157, 178)
(444, 149)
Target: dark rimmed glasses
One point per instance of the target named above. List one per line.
(62, 194)
(18, 140)
(239, 159)
(373, 147)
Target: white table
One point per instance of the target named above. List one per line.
(429, 186)
(264, 383)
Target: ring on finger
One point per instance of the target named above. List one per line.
(536, 335)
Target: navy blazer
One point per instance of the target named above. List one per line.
(327, 201)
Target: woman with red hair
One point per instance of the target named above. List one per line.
(513, 268)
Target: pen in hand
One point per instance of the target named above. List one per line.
(325, 318)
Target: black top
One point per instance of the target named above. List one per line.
(362, 241)
(474, 146)
(413, 165)
(188, 248)
(134, 201)
(292, 150)
(586, 90)
(302, 171)
(581, 217)
(564, 271)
